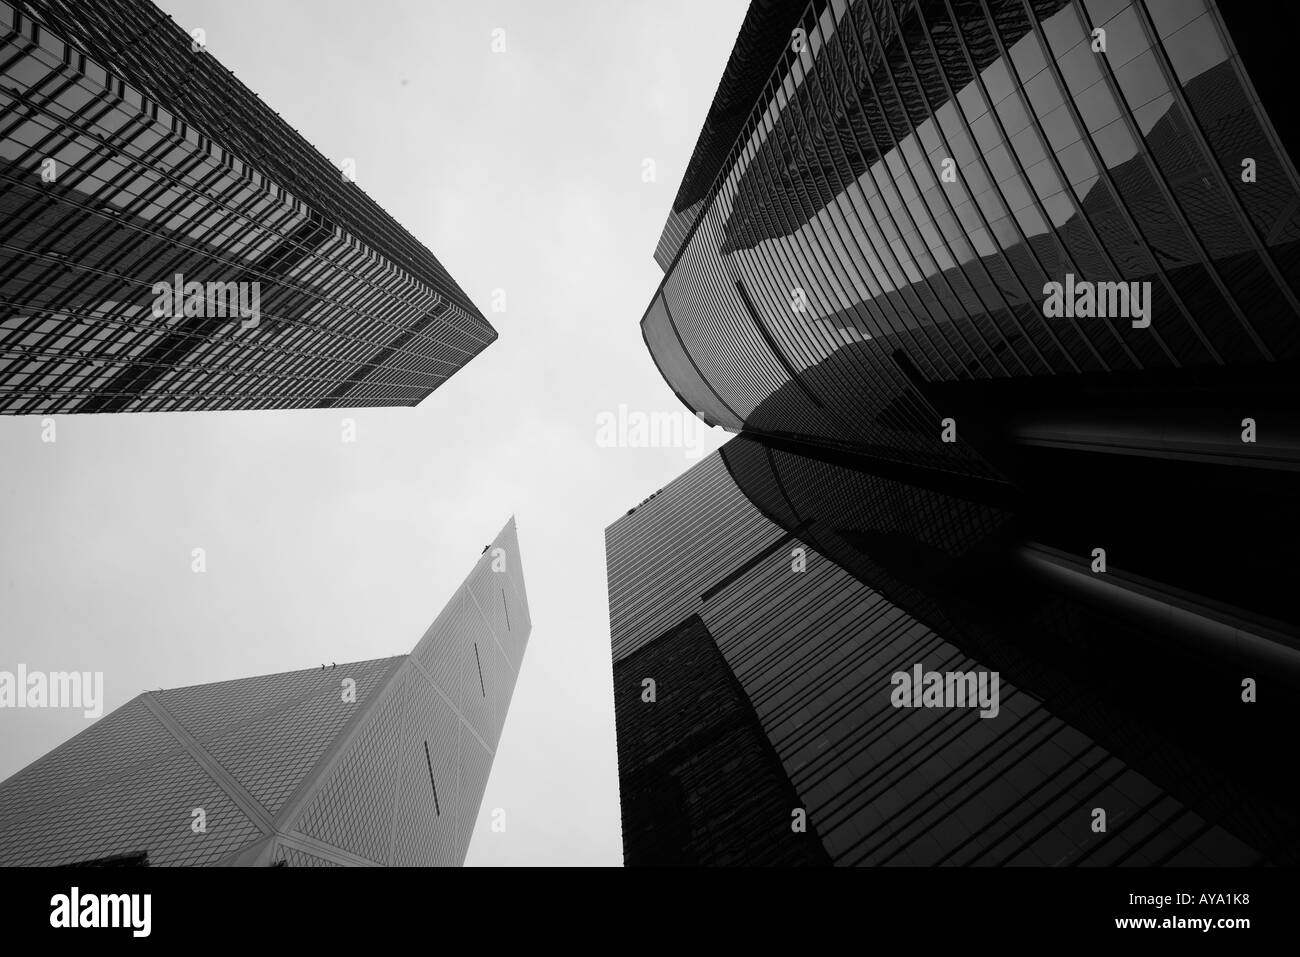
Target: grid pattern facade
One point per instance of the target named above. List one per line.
(811, 651)
(293, 857)
(364, 764)
(148, 808)
(301, 730)
(158, 163)
(709, 520)
(832, 266)
(764, 39)
(429, 810)
(97, 755)
(353, 809)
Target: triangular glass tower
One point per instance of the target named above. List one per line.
(379, 762)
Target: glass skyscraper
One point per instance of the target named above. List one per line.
(765, 608)
(999, 295)
(171, 243)
(379, 762)
(884, 190)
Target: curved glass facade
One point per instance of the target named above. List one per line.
(763, 604)
(913, 176)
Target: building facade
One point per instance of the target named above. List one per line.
(1001, 297)
(904, 211)
(370, 763)
(171, 243)
(770, 611)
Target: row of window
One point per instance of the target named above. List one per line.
(161, 59)
(137, 197)
(809, 650)
(920, 173)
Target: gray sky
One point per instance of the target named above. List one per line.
(522, 171)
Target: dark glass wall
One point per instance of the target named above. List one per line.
(698, 777)
(818, 576)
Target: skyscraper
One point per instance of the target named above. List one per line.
(170, 243)
(771, 612)
(999, 294)
(886, 194)
(380, 762)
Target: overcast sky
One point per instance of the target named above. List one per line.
(521, 171)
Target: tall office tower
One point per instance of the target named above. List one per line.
(1038, 255)
(168, 242)
(1059, 223)
(777, 617)
(378, 762)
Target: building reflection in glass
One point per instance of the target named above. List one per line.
(771, 592)
(907, 184)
